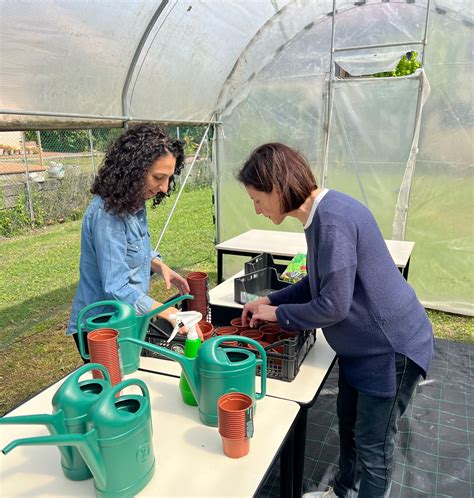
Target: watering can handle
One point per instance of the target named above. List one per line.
(80, 325)
(168, 304)
(91, 366)
(262, 361)
(126, 383)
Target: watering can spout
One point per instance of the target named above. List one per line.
(187, 364)
(143, 321)
(54, 422)
(85, 443)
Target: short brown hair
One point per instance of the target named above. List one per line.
(276, 165)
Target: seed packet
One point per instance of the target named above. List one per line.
(296, 270)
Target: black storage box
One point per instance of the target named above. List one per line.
(262, 261)
(257, 284)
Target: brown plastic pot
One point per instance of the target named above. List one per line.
(198, 285)
(207, 329)
(270, 332)
(264, 345)
(227, 331)
(287, 335)
(230, 344)
(236, 448)
(252, 333)
(103, 349)
(280, 350)
(237, 322)
(232, 410)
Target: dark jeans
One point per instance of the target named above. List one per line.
(367, 428)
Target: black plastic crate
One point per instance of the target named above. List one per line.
(262, 261)
(257, 284)
(285, 366)
(158, 333)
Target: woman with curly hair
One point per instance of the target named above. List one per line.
(116, 255)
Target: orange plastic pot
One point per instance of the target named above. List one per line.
(236, 448)
(227, 331)
(253, 334)
(103, 349)
(207, 329)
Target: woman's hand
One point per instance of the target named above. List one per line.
(252, 309)
(264, 312)
(182, 329)
(171, 277)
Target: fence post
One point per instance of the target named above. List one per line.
(91, 142)
(27, 175)
(38, 138)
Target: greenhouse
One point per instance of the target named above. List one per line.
(377, 95)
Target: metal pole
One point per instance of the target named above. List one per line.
(27, 174)
(38, 138)
(399, 226)
(425, 34)
(327, 126)
(182, 187)
(136, 55)
(101, 117)
(91, 143)
(378, 45)
(217, 156)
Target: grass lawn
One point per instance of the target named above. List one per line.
(39, 274)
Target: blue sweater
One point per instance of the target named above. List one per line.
(357, 295)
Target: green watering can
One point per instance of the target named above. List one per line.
(216, 371)
(71, 405)
(118, 446)
(126, 322)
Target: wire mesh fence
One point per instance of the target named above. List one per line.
(45, 176)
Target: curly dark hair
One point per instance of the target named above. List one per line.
(122, 175)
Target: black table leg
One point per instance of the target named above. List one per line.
(299, 450)
(219, 267)
(287, 467)
(405, 270)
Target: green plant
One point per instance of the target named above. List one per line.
(190, 146)
(14, 220)
(407, 65)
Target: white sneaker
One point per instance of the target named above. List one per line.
(320, 494)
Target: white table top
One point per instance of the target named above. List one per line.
(303, 387)
(291, 243)
(223, 294)
(180, 442)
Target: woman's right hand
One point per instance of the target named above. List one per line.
(182, 330)
(251, 308)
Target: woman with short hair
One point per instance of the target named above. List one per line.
(354, 292)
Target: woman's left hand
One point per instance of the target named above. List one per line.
(172, 278)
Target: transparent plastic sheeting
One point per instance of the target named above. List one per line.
(371, 150)
(263, 66)
(63, 56)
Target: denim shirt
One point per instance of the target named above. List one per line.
(115, 261)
